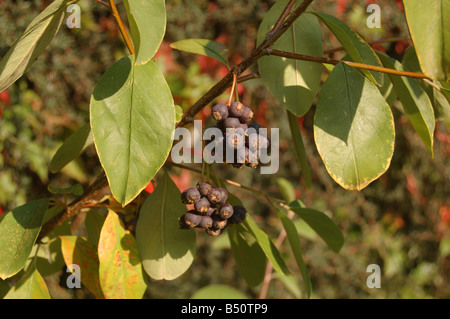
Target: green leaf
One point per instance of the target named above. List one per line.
(71, 148)
(294, 242)
(356, 47)
(4, 288)
(293, 83)
(178, 113)
(250, 258)
(321, 224)
(415, 102)
(29, 46)
(270, 250)
(205, 47)
(286, 189)
(299, 148)
(428, 25)
(166, 250)
(218, 292)
(79, 251)
(30, 286)
(147, 20)
(76, 189)
(291, 284)
(19, 229)
(132, 120)
(94, 223)
(353, 129)
(120, 268)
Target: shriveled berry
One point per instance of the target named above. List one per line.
(204, 188)
(202, 205)
(246, 116)
(231, 124)
(236, 109)
(190, 195)
(226, 211)
(239, 214)
(220, 112)
(219, 223)
(210, 211)
(205, 222)
(191, 219)
(218, 195)
(213, 232)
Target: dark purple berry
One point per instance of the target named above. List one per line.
(204, 188)
(218, 195)
(205, 222)
(254, 128)
(190, 195)
(244, 127)
(210, 211)
(226, 211)
(191, 219)
(239, 214)
(246, 116)
(220, 112)
(236, 109)
(219, 223)
(202, 205)
(231, 123)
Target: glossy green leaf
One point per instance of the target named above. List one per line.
(166, 250)
(293, 83)
(353, 129)
(120, 268)
(77, 250)
(132, 120)
(147, 20)
(415, 102)
(30, 286)
(248, 255)
(428, 23)
(266, 244)
(94, 223)
(76, 189)
(294, 242)
(322, 225)
(218, 292)
(299, 148)
(356, 47)
(19, 229)
(71, 148)
(29, 46)
(205, 47)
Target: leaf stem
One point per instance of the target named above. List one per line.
(296, 56)
(121, 26)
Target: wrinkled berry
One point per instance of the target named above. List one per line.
(219, 223)
(218, 195)
(202, 205)
(226, 211)
(210, 211)
(191, 219)
(231, 124)
(204, 188)
(205, 222)
(213, 232)
(236, 109)
(246, 116)
(190, 195)
(220, 112)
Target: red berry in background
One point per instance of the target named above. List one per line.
(1, 210)
(5, 97)
(149, 189)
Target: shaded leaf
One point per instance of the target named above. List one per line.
(79, 251)
(428, 23)
(29, 46)
(205, 47)
(218, 292)
(19, 229)
(94, 223)
(120, 268)
(166, 250)
(132, 120)
(415, 102)
(147, 20)
(30, 286)
(293, 83)
(72, 148)
(353, 129)
(76, 189)
(356, 47)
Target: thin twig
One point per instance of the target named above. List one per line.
(121, 27)
(284, 14)
(103, 4)
(396, 39)
(296, 56)
(250, 76)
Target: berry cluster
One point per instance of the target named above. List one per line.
(211, 210)
(239, 134)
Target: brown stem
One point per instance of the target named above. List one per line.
(283, 15)
(250, 76)
(103, 4)
(395, 39)
(74, 207)
(257, 53)
(121, 27)
(357, 65)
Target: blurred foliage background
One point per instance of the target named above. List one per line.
(400, 222)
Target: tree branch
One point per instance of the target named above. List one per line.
(121, 27)
(357, 65)
(257, 53)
